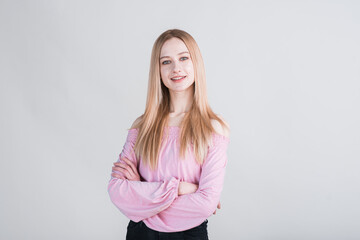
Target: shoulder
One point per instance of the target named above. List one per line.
(220, 128)
(136, 122)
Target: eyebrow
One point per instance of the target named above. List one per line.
(178, 54)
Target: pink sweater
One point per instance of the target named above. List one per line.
(155, 200)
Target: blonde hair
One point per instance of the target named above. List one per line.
(196, 127)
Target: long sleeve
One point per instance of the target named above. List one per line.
(140, 200)
(190, 210)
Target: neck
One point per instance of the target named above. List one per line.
(181, 102)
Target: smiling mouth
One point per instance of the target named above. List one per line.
(177, 79)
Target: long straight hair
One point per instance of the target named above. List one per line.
(196, 127)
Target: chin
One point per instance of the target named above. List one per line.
(181, 88)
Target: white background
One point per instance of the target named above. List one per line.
(284, 74)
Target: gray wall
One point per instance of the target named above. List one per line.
(284, 74)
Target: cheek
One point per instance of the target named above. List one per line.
(190, 69)
(163, 72)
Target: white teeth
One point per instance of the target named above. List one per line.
(178, 78)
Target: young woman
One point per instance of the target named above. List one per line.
(170, 173)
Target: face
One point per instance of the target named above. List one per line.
(176, 67)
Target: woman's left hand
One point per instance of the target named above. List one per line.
(127, 168)
(218, 206)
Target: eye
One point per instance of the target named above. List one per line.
(184, 58)
(165, 62)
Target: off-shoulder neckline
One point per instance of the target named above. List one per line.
(174, 130)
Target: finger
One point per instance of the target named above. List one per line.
(214, 212)
(219, 205)
(121, 166)
(128, 168)
(125, 172)
(117, 169)
(117, 176)
(131, 164)
(131, 168)
(117, 163)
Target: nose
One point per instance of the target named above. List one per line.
(176, 67)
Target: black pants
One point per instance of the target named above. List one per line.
(139, 231)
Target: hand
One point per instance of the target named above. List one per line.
(186, 188)
(218, 206)
(128, 170)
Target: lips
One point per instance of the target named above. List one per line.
(177, 78)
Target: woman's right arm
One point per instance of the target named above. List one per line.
(140, 200)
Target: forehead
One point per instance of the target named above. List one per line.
(172, 47)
